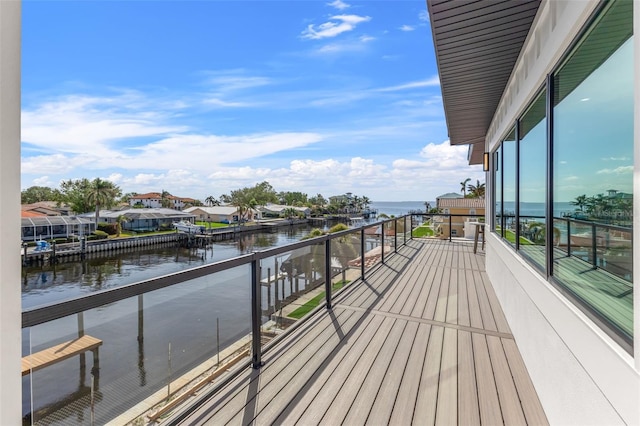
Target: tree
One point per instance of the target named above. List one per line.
(289, 198)
(289, 213)
(164, 199)
(211, 201)
(119, 221)
(102, 193)
(580, 202)
(477, 190)
(74, 193)
(35, 194)
(463, 186)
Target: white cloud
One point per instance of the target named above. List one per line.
(616, 159)
(423, 15)
(338, 24)
(366, 39)
(202, 152)
(215, 102)
(445, 155)
(618, 170)
(115, 177)
(339, 4)
(43, 181)
(339, 48)
(233, 80)
(73, 123)
(431, 82)
(406, 28)
(51, 164)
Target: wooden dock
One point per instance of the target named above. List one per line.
(58, 353)
(422, 341)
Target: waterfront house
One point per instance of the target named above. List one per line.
(461, 210)
(155, 200)
(39, 226)
(144, 220)
(48, 208)
(276, 210)
(222, 214)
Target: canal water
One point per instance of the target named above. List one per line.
(148, 340)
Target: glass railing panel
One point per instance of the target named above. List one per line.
(345, 256)
(594, 263)
(615, 251)
(422, 226)
(372, 246)
(389, 237)
(147, 348)
(533, 238)
(581, 238)
(293, 284)
(398, 231)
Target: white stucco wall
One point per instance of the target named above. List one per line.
(10, 302)
(581, 375)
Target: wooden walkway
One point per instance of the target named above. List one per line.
(423, 341)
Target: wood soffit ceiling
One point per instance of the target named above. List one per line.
(477, 44)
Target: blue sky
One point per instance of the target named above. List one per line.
(202, 97)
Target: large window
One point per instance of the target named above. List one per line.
(593, 167)
(585, 246)
(532, 182)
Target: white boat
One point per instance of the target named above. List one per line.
(188, 227)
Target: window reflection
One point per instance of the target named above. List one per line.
(532, 191)
(509, 187)
(593, 168)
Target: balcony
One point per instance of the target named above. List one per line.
(415, 334)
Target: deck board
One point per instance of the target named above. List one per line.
(423, 341)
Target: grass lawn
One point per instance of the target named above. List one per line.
(423, 231)
(313, 303)
(511, 237)
(125, 234)
(209, 225)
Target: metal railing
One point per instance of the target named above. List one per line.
(40, 315)
(449, 221)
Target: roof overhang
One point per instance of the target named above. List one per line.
(477, 44)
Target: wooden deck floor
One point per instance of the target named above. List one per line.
(423, 341)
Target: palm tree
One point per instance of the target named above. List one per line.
(211, 201)
(119, 221)
(580, 202)
(463, 186)
(164, 199)
(102, 193)
(290, 213)
(476, 191)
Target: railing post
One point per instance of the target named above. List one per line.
(395, 235)
(327, 271)
(568, 237)
(593, 245)
(405, 229)
(449, 227)
(256, 315)
(382, 242)
(362, 253)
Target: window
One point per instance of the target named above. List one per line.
(585, 246)
(593, 168)
(532, 148)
